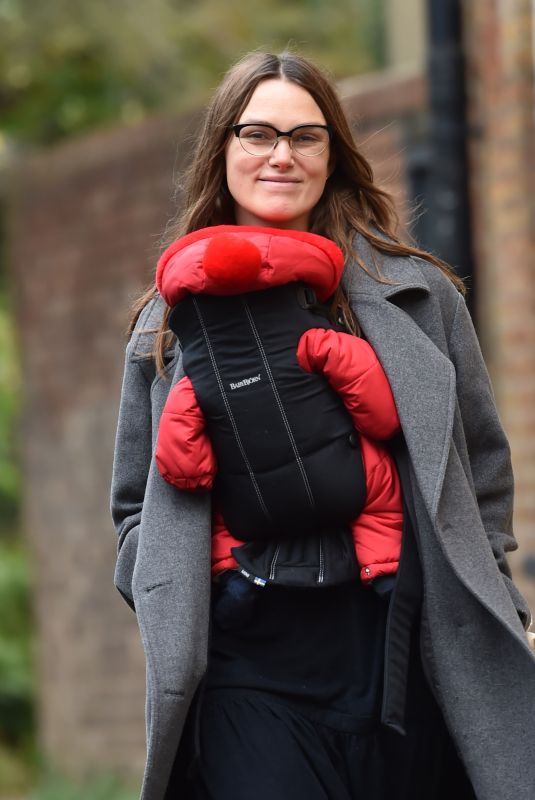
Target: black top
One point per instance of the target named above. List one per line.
(338, 651)
(320, 650)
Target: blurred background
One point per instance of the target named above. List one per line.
(98, 105)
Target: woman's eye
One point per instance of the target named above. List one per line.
(306, 137)
(256, 136)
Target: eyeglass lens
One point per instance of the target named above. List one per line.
(309, 140)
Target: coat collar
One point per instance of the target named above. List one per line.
(421, 376)
(400, 274)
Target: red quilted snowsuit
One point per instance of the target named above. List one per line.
(205, 262)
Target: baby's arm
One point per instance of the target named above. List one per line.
(377, 530)
(184, 453)
(355, 373)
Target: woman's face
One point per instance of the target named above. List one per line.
(281, 188)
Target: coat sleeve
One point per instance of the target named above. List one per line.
(184, 453)
(488, 448)
(355, 373)
(377, 530)
(132, 457)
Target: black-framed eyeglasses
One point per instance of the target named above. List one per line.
(260, 140)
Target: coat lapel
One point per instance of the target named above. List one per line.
(421, 376)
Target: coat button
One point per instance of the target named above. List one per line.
(354, 439)
(367, 570)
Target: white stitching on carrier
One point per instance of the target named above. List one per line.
(229, 410)
(293, 443)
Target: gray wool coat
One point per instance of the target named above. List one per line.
(474, 648)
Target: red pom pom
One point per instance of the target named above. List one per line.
(231, 260)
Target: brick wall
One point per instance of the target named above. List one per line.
(501, 115)
(85, 222)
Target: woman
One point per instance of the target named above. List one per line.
(322, 693)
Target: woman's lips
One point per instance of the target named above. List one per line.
(279, 179)
(280, 182)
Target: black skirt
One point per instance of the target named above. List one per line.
(290, 708)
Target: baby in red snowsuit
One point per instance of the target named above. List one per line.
(237, 260)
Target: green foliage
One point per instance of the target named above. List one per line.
(53, 786)
(15, 774)
(16, 680)
(68, 66)
(9, 404)
(20, 776)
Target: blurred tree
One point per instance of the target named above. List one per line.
(68, 66)
(16, 690)
(9, 404)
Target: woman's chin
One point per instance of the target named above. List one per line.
(273, 219)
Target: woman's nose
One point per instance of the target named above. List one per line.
(282, 152)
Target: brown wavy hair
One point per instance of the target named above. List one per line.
(351, 203)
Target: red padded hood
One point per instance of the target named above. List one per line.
(232, 259)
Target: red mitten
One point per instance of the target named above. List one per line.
(222, 541)
(355, 373)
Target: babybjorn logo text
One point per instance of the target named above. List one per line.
(245, 382)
